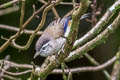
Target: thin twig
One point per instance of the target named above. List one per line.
(33, 15)
(62, 3)
(94, 9)
(66, 3)
(4, 66)
(12, 28)
(69, 13)
(93, 61)
(74, 4)
(9, 10)
(84, 69)
(12, 64)
(53, 9)
(11, 77)
(8, 3)
(22, 16)
(16, 73)
(116, 69)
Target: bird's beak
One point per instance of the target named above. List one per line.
(36, 54)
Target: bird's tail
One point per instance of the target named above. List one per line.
(87, 15)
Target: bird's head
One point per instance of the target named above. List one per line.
(48, 47)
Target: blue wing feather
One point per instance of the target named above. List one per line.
(66, 23)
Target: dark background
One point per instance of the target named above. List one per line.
(101, 53)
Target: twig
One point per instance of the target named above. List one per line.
(66, 3)
(11, 28)
(55, 13)
(12, 64)
(63, 73)
(62, 3)
(94, 9)
(16, 73)
(8, 3)
(22, 16)
(116, 69)
(69, 13)
(53, 9)
(93, 61)
(2, 37)
(84, 69)
(9, 10)
(33, 15)
(74, 4)
(4, 66)
(11, 77)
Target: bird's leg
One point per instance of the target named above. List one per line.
(57, 54)
(67, 41)
(62, 49)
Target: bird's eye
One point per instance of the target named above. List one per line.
(43, 48)
(46, 47)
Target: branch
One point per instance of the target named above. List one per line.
(16, 73)
(62, 3)
(53, 9)
(11, 77)
(84, 69)
(9, 3)
(4, 66)
(69, 13)
(93, 61)
(116, 69)
(12, 64)
(74, 4)
(9, 10)
(11, 28)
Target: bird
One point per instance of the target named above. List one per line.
(52, 40)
